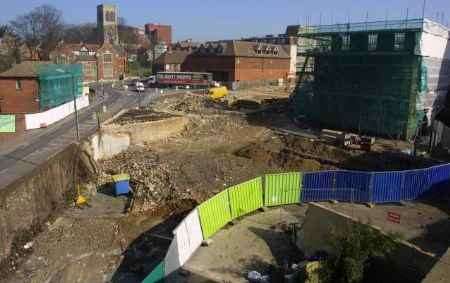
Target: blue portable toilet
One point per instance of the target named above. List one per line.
(121, 184)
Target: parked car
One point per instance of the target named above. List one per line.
(139, 86)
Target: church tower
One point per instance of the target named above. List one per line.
(107, 23)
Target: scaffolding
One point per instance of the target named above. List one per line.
(353, 86)
(59, 84)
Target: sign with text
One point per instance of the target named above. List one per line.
(393, 217)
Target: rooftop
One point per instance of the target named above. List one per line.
(172, 57)
(242, 49)
(26, 69)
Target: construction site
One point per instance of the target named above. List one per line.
(339, 144)
(179, 151)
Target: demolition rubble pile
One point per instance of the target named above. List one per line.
(190, 104)
(150, 180)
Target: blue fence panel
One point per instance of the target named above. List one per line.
(317, 186)
(415, 183)
(319, 180)
(440, 174)
(386, 187)
(356, 182)
(318, 195)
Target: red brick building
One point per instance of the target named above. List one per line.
(19, 88)
(159, 33)
(110, 60)
(235, 61)
(171, 61)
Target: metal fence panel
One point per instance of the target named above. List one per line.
(172, 259)
(415, 183)
(318, 195)
(280, 189)
(189, 237)
(214, 214)
(319, 180)
(439, 174)
(157, 275)
(7, 123)
(357, 183)
(246, 197)
(386, 187)
(318, 186)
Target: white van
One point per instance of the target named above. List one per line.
(140, 86)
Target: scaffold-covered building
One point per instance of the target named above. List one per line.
(385, 78)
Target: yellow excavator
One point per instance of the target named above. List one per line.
(217, 93)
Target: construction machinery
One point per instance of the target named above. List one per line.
(217, 93)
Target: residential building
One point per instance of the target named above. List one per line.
(379, 78)
(240, 61)
(104, 62)
(35, 94)
(171, 61)
(289, 43)
(107, 23)
(157, 33)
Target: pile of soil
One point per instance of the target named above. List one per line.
(297, 153)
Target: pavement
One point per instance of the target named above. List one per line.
(29, 151)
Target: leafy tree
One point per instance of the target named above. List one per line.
(354, 252)
(41, 29)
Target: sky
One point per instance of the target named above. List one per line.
(232, 19)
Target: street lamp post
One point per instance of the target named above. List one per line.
(75, 107)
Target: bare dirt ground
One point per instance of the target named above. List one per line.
(260, 242)
(121, 240)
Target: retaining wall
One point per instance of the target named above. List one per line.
(322, 223)
(28, 202)
(113, 138)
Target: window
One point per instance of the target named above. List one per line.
(107, 58)
(373, 42)
(18, 85)
(90, 69)
(345, 42)
(399, 41)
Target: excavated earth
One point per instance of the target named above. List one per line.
(121, 239)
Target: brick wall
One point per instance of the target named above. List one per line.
(220, 66)
(118, 62)
(229, 68)
(24, 100)
(158, 33)
(254, 69)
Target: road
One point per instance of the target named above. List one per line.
(38, 146)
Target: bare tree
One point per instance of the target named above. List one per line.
(10, 52)
(41, 30)
(127, 34)
(86, 33)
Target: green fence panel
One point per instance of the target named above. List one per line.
(246, 197)
(157, 275)
(214, 214)
(7, 123)
(280, 189)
